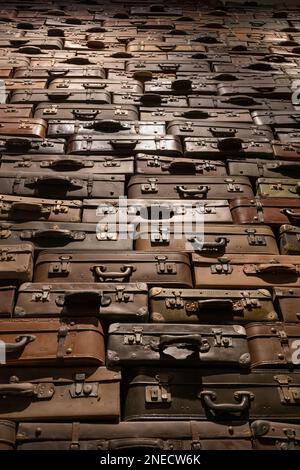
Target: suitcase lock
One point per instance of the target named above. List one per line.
(80, 388)
(6, 256)
(254, 239)
(160, 235)
(135, 338)
(150, 187)
(62, 267)
(288, 395)
(159, 393)
(223, 267)
(176, 301)
(163, 267)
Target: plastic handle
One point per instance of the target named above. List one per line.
(244, 398)
(193, 191)
(21, 342)
(218, 244)
(23, 389)
(126, 271)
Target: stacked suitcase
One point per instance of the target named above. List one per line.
(118, 121)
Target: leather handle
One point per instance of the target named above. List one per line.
(193, 191)
(195, 114)
(23, 389)
(222, 132)
(194, 341)
(123, 144)
(94, 86)
(267, 268)
(70, 298)
(291, 214)
(150, 99)
(231, 144)
(85, 115)
(57, 73)
(62, 181)
(218, 244)
(125, 272)
(18, 145)
(181, 167)
(21, 342)
(135, 443)
(167, 47)
(215, 304)
(30, 50)
(26, 207)
(209, 398)
(58, 95)
(71, 164)
(242, 100)
(48, 234)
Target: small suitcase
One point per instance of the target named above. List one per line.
(181, 87)
(216, 129)
(270, 435)
(16, 111)
(266, 91)
(286, 300)
(86, 112)
(159, 165)
(7, 299)
(7, 435)
(169, 66)
(270, 211)
(200, 116)
(240, 101)
(212, 306)
(57, 97)
(130, 345)
(23, 127)
(149, 100)
(276, 118)
(59, 72)
(256, 168)
(172, 269)
(21, 84)
(16, 262)
(228, 147)
(283, 188)
(289, 240)
(131, 86)
(21, 145)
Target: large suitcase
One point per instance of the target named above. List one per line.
(174, 435)
(86, 112)
(87, 393)
(216, 129)
(246, 271)
(131, 86)
(256, 168)
(270, 211)
(286, 151)
(286, 300)
(150, 100)
(57, 97)
(268, 91)
(169, 66)
(172, 269)
(160, 165)
(276, 187)
(23, 127)
(240, 101)
(52, 342)
(188, 187)
(289, 240)
(213, 306)
(21, 145)
(59, 72)
(7, 435)
(16, 262)
(270, 435)
(7, 298)
(273, 345)
(219, 147)
(131, 345)
(16, 111)
(181, 87)
(200, 116)
(168, 394)
(276, 118)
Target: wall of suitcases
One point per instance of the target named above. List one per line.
(108, 339)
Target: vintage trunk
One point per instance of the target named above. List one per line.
(197, 115)
(256, 168)
(160, 165)
(61, 71)
(228, 147)
(131, 86)
(8, 435)
(7, 298)
(55, 98)
(270, 435)
(287, 301)
(16, 262)
(270, 211)
(86, 112)
(23, 127)
(19, 145)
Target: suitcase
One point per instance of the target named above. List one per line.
(289, 240)
(273, 345)
(270, 435)
(16, 262)
(181, 87)
(95, 44)
(200, 129)
(110, 303)
(8, 435)
(57, 97)
(60, 71)
(223, 148)
(139, 23)
(52, 342)
(63, 186)
(95, 59)
(131, 86)
(256, 168)
(141, 45)
(16, 111)
(192, 117)
(212, 239)
(21, 84)
(58, 164)
(129, 144)
(159, 394)
(149, 100)
(140, 75)
(270, 211)
(266, 91)
(238, 79)
(23, 127)
(155, 10)
(213, 306)
(29, 394)
(159, 165)
(130, 345)
(172, 269)
(276, 118)
(172, 67)
(86, 112)
(188, 187)
(14, 61)
(286, 300)
(247, 271)
(283, 188)
(31, 46)
(174, 435)
(287, 136)
(240, 101)
(21, 145)
(68, 236)
(7, 301)
(21, 208)
(139, 211)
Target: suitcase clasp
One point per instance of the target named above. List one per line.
(80, 388)
(163, 267)
(160, 235)
(254, 239)
(157, 394)
(150, 187)
(220, 340)
(122, 295)
(176, 301)
(62, 267)
(103, 233)
(223, 267)
(6, 256)
(136, 337)
(42, 295)
(288, 395)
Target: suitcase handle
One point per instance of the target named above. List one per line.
(87, 297)
(70, 164)
(218, 244)
(193, 191)
(296, 117)
(78, 61)
(260, 66)
(169, 67)
(215, 304)
(267, 268)
(85, 115)
(274, 58)
(94, 86)
(243, 397)
(123, 144)
(291, 214)
(190, 341)
(52, 234)
(264, 89)
(135, 443)
(283, 166)
(18, 42)
(55, 181)
(23, 389)
(96, 44)
(167, 47)
(109, 126)
(57, 73)
(58, 95)
(30, 50)
(182, 85)
(195, 114)
(18, 145)
(21, 342)
(231, 144)
(180, 167)
(29, 207)
(242, 100)
(125, 272)
(219, 132)
(150, 99)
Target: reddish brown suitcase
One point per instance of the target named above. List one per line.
(219, 147)
(7, 435)
(21, 145)
(270, 211)
(287, 303)
(16, 262)
(270, 435)
(16, 111)
(160, 165)
(23, 127)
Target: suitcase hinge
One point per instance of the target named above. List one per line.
(41, 296)
(176, 301)
(122, 295)
(50, 110)
(61, 335)
(220, 340)
(103, 233)
(6, 256)
(288, 395)
(254, 239)
(150, 187)
(165, 268)
(62, 267)
(80, 388)
(136, 337)
(161, 235)
(223, 267)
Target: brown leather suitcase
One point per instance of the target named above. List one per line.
(192, 116)
(150, 23)
(16, 111)
(276, 118)
(149, 100)
(31, 393)
(53, 342)
(16, 61)
(160, 165)
(130, 345)
(95, 44)
(86, 112)
(268, 91)
(172, 269)
(20, 145)
(131, 86)
(286, 151)
(289, 240)
(23, 127)
(7, 295)
(109, 302)
(32, 46)
(270, 435)
(270, 211)
(16, 262)
(286, 300)
(171, 435)
(84, 58)
(287, 136)
(167, 67)
(255, 168)
(240, 101)
(279, 187)
(57, 97)
(180, 87)
(140, 75)
(7, 435)
(145, 45)
(21, 208)
(246, 271)
(227, 147)
(21, 84)
(273, 345)
(213, 306)
(217, 129)
(188, 187)
(237, 79)
(60, 71)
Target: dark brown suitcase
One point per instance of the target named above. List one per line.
(66, 186)
(130, 345)
(289, 240)
(196, 115)
(270, 435)
(270, 211)
(21, 145)
(246, 271)
(7, 435)
(180, 87)
(150, 100)
(30, 393)
(53, 342)
(58, 97)
(286, 151)
(7, 295)
(212, 306)
(110, 302)
(256, 168)
(131, 86)
(268, 91)
(237, 79)
(59, 72)
(188, 187)
(276, 118)
(94, 44)
(174, 435)
(16, 111)
(16, 262)
(168, 394)
(23, 127)
(218, 147)
(273, 345)
(220, 130)
(21, 208)
(172, 269)
(286, 300)
(159, 165)
(83, 58)
(240, 101)
(86, 112)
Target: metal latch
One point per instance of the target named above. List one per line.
(42, 295)
(136, 337)
(62, 267)
(288, 395)
(154, 162)
(220, 340)
(6, 256)
(103, 233)
(150, 187)
(223, 267)
(158, 393)
(176, 301)
(61, 337)
(234, 188)
(50, 110)
(163, 267)
(60, 208)
(160, 235)
(122, 295)
(80, 388)
(254, 239)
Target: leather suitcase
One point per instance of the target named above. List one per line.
(247, 271)
(53, 342)
(188, 187)
(286, 300)
(270, 435)
(150, 23)
(287, 136)
(7, 300)
(21, 208)
(32, 46)
(181, 87)
(86, 112)
(219, 129)
(17, 61)
(131, 86)
(159, 394)
(57, 97)
(67, 236)
(289, 240)
(212, 306)
(214, 240)
(60, 71)
(30, 393)
(110, 302)
(23, 127)
(167, 67)
(191, 117)
(238, 79)
(94, 44)
(16, 111)
(283, 188)
(249, 64)
(129, 144)
(170, 210)
(71, 59)
(159, 165)
(16, 262)
(265, 91)
(140, 75)
(240, 101)
(141, 45)
(270, 211)
(149, 100)
(7, 435)
(21, 84)
(155, 10)
(255, 168)
(186, 52)
(58, 164)
(130, 345)
(20, 145)
(273, 345)
(276, 118)
(174, 435)
(172, 269)
(227, 147)
(66, 186)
